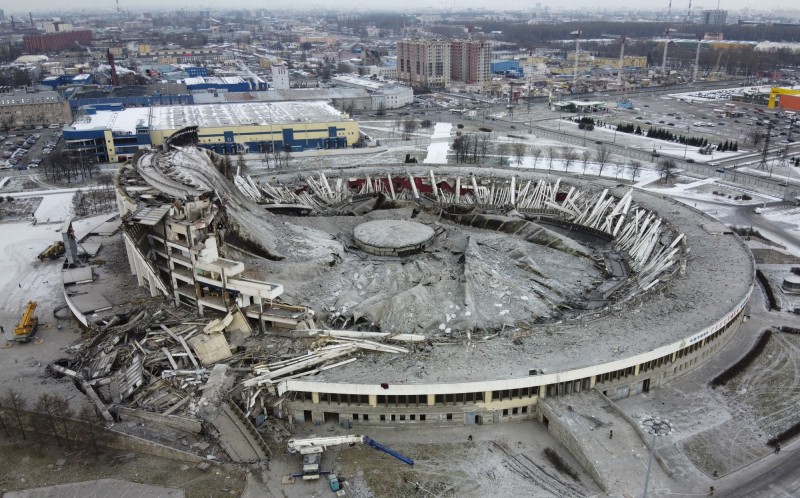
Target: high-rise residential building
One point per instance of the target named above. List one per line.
(57, 41)
(435, 63)
(424, 63)
(715, 17)
(470, 60)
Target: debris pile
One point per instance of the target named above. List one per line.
(171, 362)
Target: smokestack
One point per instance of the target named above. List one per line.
(31, 16)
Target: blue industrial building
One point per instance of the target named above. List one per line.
(67, 79)
(507, 68)
(111, 133)
(195, 71)
(128, 131)
(225, 83)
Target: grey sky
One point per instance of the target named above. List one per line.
(13, 8)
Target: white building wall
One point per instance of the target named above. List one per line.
(280, 77)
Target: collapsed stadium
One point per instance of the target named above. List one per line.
(417, 296)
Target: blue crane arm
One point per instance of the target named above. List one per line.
(390, 451)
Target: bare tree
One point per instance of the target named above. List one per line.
(603, 156)
(2, 421)
(536, 152)
(410, 125)
(519, 149)
(46, 405)
(755, 136)
(63, 414)
(91, 418)
(552, 155)
(667, 169)
(483, 146)
(17, 403)
(586, 156)
(79, 204)
(569, 156)
(503, 149)
(620, 170)
(636, 166)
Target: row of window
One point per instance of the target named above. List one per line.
(511, 394)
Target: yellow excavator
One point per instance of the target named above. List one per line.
(53, 251)
(28, 325)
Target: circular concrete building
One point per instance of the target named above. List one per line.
(392, 237)
(792, 284)
(687, 279)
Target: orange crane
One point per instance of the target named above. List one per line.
(28, 325)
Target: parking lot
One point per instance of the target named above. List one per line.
(706, 117)
(25, 149)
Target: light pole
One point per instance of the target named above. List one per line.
(656, 427)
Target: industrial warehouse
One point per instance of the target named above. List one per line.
(111, 133)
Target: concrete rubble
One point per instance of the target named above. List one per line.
(173, 364)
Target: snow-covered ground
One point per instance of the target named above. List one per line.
(440, 144)
(442, 130)
(20, 243)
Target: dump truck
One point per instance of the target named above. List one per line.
(53, 251)
(27, 325)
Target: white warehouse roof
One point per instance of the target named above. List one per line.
(249, 113)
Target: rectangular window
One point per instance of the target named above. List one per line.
(402, 418)
(366, 417)
(355, 416)
(449, 416)
(412, 417)
(422, 418)
(383, 418)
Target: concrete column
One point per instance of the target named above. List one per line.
(487, 396)
(592, 381)
(543, 391)
(431, 399)
(673, 357)
(373, 400)
(315, 398)
(636, 369)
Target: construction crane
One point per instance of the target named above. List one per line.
(312, 449)
(666, 45)
(28, 325)
(114, 77)
(716, 72)
(577, 35)
(622, 39)
(696, 57)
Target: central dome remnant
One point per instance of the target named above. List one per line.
(392, 237)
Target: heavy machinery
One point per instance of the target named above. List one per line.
(53, 251)
(312, 449)
(28, 325)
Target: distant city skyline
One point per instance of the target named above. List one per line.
(420, 5)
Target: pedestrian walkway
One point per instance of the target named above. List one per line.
(610, 443)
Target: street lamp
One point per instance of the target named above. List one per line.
(656, 427)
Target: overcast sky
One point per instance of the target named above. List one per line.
(16, 8)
